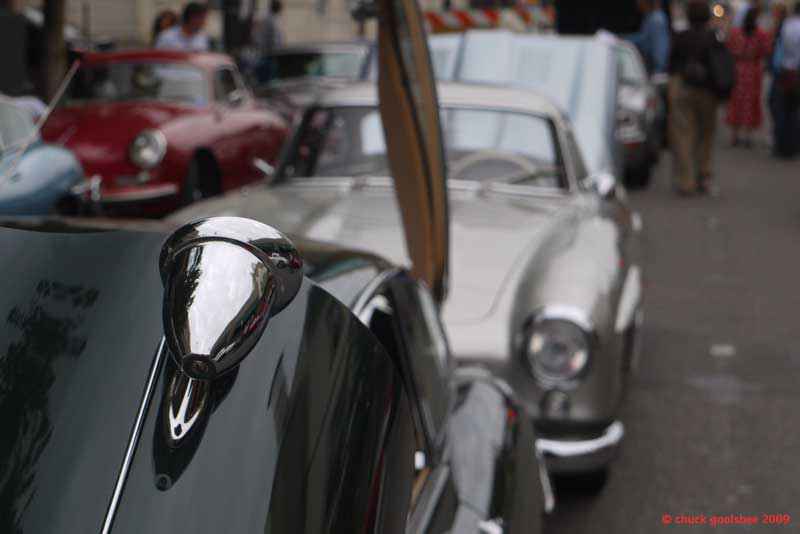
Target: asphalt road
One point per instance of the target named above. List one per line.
(712, 415)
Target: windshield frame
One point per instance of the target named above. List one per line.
(207, 82)
(567, 186)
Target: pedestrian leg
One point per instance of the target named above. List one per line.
(682, 135)
(707, 105)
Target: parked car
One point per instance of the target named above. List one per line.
(221, 378)
(35, 178)
(545, 278)
(641, 119)
(162, 128)
(599, 81)
(303, 61)
(294, 76)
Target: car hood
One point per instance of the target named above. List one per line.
(75, 349)
(80, 345)
(98, 129)
(492, 235)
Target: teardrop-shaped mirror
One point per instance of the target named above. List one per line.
(223, 279)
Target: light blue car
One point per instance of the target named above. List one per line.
(35, 178)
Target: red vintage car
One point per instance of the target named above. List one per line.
(162, 128)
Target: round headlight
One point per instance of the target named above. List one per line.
(557, 351)
(148, 149)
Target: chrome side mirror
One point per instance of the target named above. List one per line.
(224, 278)
(236, 98)
(604, 184)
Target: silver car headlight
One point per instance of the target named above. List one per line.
(557, 351)
(148, 149)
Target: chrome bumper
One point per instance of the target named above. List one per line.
(565, 457)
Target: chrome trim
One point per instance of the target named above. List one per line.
(151, 193)
(361, 307)
(629, 299)
(264, 168)
(432, 491)
(584, 455)
(560, 312)
(88, 186)
(548, 493)
(133, 440)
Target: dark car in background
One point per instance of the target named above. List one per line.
(217, 376)
(292, 77)
(641, 118)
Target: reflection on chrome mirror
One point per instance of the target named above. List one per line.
(223, 279)
(604, 184)
(236, 98)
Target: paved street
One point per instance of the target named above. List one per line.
(712, 431)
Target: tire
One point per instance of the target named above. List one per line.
(202, 180)
(590, 483)
(638, 178)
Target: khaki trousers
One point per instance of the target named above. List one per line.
(692, 124)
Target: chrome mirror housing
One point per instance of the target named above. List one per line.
(224, 278)
(604, 184)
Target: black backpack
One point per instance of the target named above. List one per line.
(715, 70)
(721, 70)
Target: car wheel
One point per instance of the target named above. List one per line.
(638, 178)
(202, 181)
(588, 483)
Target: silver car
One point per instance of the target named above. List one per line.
(544, 273)
(600, 81)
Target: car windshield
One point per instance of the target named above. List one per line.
(346, 65)
(121, 82)
(481, 145)
(575, 73)
(16, 126)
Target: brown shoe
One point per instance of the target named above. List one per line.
(683, 191)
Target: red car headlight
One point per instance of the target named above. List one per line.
(148, 149)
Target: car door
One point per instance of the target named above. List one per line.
(409, 109)
(237, 130)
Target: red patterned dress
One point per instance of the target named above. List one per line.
(749, 51)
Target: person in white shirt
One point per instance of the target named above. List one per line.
(189, 36)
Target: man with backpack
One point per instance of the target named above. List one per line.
(702, 73)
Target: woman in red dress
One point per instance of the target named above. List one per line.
(749, 46)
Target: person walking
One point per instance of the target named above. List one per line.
(785, 102)
(653, 39)
(269, 38)
(693, 103)
(749, 46)
(190, 35)
(165, 20)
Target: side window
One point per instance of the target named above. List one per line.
(224, 84)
